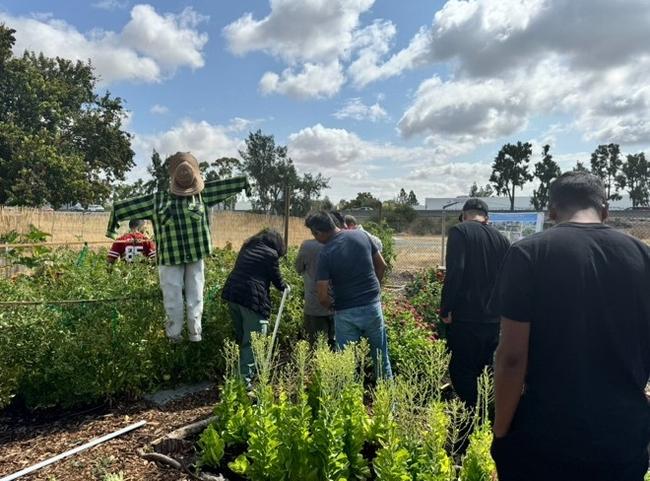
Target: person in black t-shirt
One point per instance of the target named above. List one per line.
(474, 254)
(574, 355)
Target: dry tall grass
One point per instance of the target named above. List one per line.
(227, 227)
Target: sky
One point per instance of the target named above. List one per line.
(374, 94)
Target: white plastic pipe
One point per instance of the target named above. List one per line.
(275, 328)
(76, 450)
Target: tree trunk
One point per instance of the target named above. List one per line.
(512, 198)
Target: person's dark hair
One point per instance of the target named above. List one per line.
(577, 190)
(270, 238)
(135, 223)
(320, 222)
(350, 220)
(338, 219)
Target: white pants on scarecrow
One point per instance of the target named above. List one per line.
(173, 280)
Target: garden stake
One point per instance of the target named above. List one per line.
(277, 324)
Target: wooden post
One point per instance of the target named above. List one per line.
(287, 202)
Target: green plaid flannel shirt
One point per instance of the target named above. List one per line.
(181, 224)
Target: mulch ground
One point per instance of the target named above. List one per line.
(27, 439)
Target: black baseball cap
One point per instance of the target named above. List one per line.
(476, 204)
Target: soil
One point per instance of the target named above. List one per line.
(28, 439)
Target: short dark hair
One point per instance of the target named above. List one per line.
(135, 223)
(338, 219)
(269, 237)
(577, 190)
(476, 205)
(320, 222)
(350, 220)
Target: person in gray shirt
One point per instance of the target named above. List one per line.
(317, 319)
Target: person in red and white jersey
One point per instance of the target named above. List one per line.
(132, 244)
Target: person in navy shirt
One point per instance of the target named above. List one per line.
(354, 267)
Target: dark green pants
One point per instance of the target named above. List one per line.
(319, 325)
(245, 322)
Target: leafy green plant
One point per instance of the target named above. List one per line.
(385, 234)
(212, 447)
(478, 464)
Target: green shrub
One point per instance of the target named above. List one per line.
(71, 354)
(385, 234)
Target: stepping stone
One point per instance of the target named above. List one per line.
(164, 397)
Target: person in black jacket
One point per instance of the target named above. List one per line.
(247, 289)
(475, 251)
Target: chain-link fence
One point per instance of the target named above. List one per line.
(25, 233)
(421, 246)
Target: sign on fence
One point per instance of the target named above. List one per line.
(517, 225)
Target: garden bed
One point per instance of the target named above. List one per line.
(26, 439)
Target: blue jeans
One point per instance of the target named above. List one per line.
(365, 321)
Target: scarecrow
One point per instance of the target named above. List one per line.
(181, 224)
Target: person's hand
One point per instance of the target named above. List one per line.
(499, 433)
(447, 320)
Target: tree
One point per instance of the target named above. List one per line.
(412, 199)
(125, 191)
(269, 169)
(545, 171)
(326, 204)
(308, 188)
(580, 167)
(606, 163)
(476, 191)
(272, 172)
(158, 170)
(397, 215)
(635, 176)
(402, 197)
(60, 142)
(363, 199)
(510, 169)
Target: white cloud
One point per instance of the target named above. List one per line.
(206, 141)
(150, 47)
(111, 4)
(299, 30)
(314, 81)
(313, 37)
(158, 109)
(333, 148)
(516, 60)
(482, 110)
(171, 40)
(357, 110)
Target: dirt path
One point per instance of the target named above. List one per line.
(26, 441)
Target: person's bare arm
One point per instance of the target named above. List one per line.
(510, 372)
(322, 288)
(379, 264)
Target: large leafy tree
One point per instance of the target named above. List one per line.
(158, 170)
(363, 199)
(635, 177)
(272, 173)
(510, 169)
(546, 171)
(606, 163)
(60, 142)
